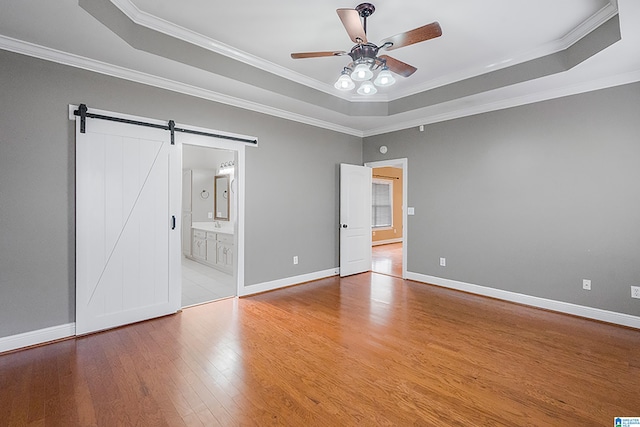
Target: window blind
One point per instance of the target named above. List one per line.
(381, 204)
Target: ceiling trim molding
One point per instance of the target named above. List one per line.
(155, 23)
(65, 58)
(531, 98)
(582, 30)
(168, 28)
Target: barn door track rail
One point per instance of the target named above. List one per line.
(83, 113)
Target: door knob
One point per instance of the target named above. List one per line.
(344, 225)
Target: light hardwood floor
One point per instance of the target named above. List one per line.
(387, 259)
(366, 350)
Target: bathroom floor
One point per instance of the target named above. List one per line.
(203, 284)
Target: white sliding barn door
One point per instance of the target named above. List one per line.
(355, 219)
(125, 241)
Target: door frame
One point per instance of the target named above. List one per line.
(239, 149)
(402, 163)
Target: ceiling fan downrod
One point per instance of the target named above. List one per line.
(365, 10)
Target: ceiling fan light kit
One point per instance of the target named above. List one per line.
(385, 78)
(361, 73)
(367, 88)
(344, 82)
(366, 61)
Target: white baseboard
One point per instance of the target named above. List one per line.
(40, 336)
(288, 281)
(559, 306)
(386, 242)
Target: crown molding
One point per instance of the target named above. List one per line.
(515, 101)
(155, 23)
(586, 27)
(152, 22)
(53, 55)
(65, 58)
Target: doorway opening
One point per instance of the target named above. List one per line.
(209, 210)
(389, 217)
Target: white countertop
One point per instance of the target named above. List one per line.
(225, 227)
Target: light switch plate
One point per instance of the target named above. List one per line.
(411, 211)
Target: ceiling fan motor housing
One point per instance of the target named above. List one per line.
(364, 53)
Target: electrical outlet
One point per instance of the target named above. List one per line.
(210, 215)
(586, 284)
(295, 259)
(443, 262)
(635, 292)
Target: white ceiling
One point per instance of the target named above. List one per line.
(241, 55)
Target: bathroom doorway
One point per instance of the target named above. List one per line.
(209, 224)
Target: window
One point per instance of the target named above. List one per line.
(381, 203)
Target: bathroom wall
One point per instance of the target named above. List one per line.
(205, 164)
(202, 195)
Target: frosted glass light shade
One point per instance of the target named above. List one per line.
(385, 78)
(344, 82)
(367, 88)
(361, 73)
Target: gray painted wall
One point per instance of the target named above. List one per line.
(531, 199)
(291, 184)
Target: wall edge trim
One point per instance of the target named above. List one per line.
(386, 241)
(288, 281)
(592, 313)
(96, 66)
(39, 336)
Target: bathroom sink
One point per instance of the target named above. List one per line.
(211, 226)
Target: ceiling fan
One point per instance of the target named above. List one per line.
(365, 54)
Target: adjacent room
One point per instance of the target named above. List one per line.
(327, 214)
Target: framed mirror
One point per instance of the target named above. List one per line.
(221, 201)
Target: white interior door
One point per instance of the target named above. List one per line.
(124, 229)
(355, 219)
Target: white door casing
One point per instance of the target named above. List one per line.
(237, 188)
(403, 164)
(127, 254)
(355, 219)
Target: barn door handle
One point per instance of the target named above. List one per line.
(173, 222)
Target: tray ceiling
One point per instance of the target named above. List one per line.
(492, 54)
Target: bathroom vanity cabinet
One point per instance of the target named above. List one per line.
(199, 245)
(224, 252)
(213, 248)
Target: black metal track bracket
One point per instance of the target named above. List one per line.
(172, 129)
(83, 118)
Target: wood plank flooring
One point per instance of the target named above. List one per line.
(366, 350)
(387, 259)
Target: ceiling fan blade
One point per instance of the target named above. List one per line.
(351, 20)
(302, 55)
(398, 67)
(417, 35)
